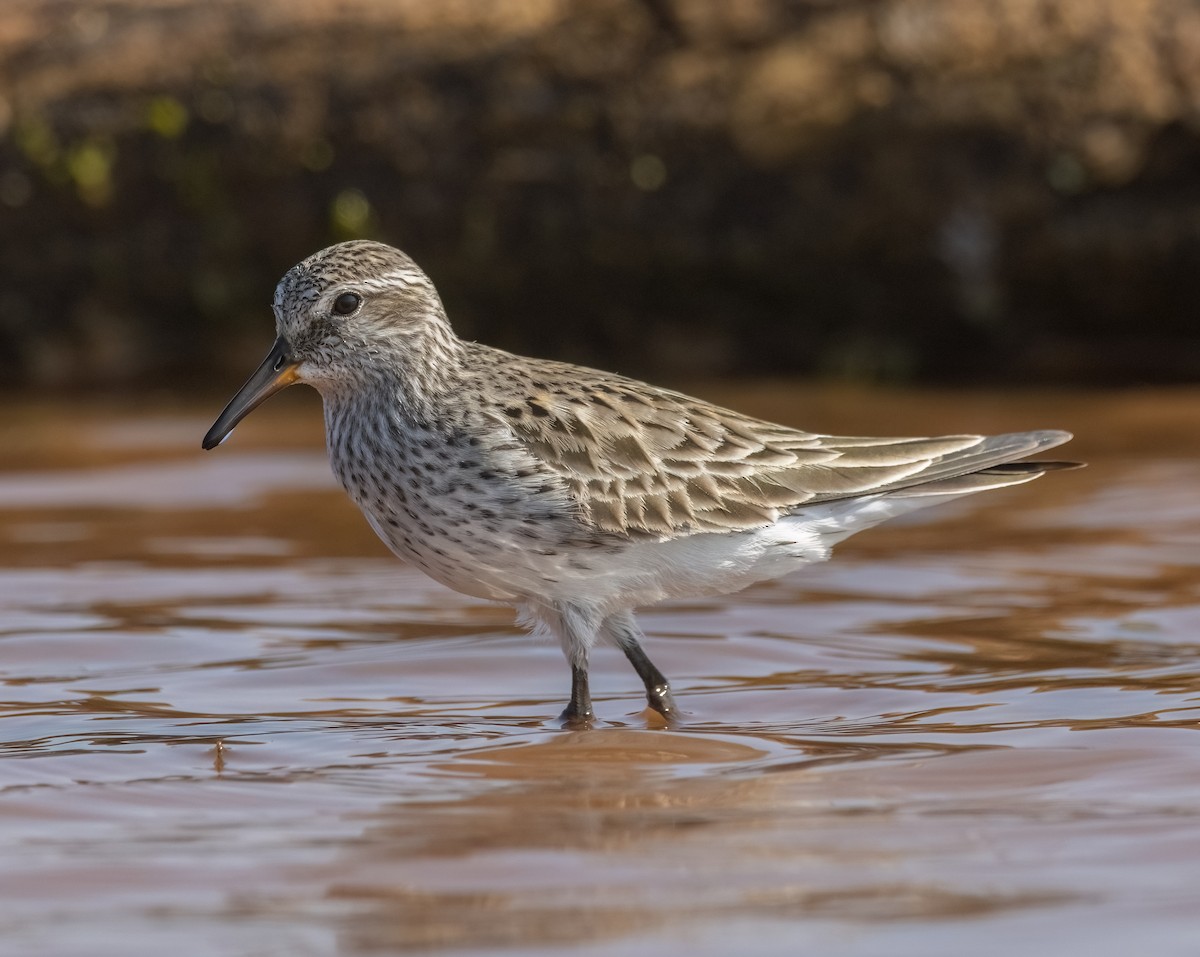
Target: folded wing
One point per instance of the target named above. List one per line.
(649, 463)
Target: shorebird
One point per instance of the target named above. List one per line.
(575, 495)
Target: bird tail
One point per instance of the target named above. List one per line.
(995, 476)
(850, 516)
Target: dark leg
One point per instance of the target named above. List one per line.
(579, 710)
(625, 632)
(576, 628)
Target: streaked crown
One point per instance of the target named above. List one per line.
(359, 307)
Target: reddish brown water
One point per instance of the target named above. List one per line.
(231, 724)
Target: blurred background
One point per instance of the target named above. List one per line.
(231, 723)
(941, 191)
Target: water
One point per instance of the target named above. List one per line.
(231, 724)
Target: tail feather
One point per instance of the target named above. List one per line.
(996, 476)
(993, 462)
(977, 469)
(1033, 466)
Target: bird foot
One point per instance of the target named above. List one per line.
(659, 699)
(574, 719)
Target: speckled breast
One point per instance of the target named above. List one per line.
(464, 503)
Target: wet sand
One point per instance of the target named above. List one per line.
(230, 723)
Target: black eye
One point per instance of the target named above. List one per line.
(346, 303)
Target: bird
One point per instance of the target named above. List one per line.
(572, 494)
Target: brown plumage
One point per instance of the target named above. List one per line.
(573, 494)
(647, 462)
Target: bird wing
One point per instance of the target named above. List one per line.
(646, 462)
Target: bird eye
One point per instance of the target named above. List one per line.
(346, 303)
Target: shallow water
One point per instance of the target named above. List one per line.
(231, 724)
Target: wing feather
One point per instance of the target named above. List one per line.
(645, 462)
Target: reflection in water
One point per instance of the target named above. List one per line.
(230, 724)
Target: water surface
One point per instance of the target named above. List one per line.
(230, 723)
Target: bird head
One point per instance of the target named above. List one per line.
(348, 314)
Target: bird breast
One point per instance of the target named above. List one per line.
(473, 510)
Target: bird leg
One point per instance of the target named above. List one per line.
(578, 712)
(623, 630)
(576, 627)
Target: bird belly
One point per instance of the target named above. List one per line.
(718, 563)
(489, 560)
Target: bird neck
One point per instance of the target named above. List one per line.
(411, 376)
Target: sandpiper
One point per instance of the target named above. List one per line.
(572, 494)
